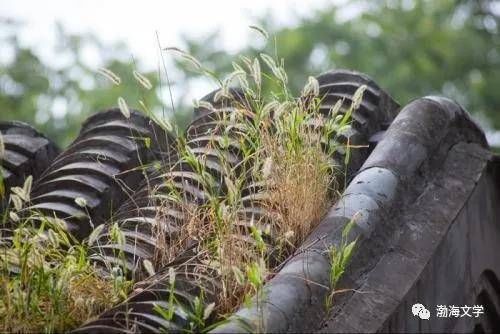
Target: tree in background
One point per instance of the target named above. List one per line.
(56, 98)
(412, 48)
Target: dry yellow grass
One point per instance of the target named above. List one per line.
(71, 300)
(48, 285)
(299, 184)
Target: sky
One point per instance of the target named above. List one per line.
(135, 22)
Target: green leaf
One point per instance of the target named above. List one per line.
(347, 228)
(347, 252)
(166, 314)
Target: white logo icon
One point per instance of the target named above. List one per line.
(420, 311)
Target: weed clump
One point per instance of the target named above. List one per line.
(270, 199)
(47, 283)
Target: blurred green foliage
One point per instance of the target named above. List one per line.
(411, 48)
(56, 98)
